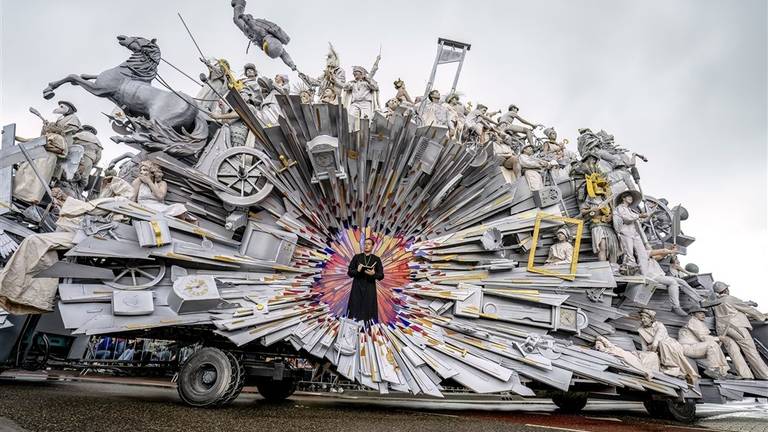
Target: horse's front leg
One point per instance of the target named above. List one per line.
(48, 91)
(78, 80)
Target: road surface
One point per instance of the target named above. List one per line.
(97, 406)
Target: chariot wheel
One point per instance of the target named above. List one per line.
(658, 227)
(134, 275)
(241, 171)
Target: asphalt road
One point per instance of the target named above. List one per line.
(84, 407)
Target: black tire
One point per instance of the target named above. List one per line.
(570, 402)
(275, 391)
(238, 380)
(683, 411)
(36, 357)
(206, 378)
(672, 409)
(656, 408)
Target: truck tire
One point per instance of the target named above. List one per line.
(274, 391)
(238, 380)
(672, 409)
(206, 378)
(656, 408)
(570, 402)
(683, 411)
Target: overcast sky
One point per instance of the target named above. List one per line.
(682, 82)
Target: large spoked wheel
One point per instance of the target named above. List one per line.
(135, 275)
(674, 409)
(570, 402)
(210, 378)
(241, 171)
(275, 391)
(658, 227)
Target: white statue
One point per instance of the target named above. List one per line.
(149, 190)
(604, 345)
(732, 321)
(26, 185)
(655, 273)
(626, 221)
(562, 251)
(333, 76)
(697, 343)
(508, 125)
(433, 112)
(360, 94)
(655, 338)
(532, 167)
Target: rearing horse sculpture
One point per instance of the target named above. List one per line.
(129, 87)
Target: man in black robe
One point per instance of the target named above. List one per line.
(365, 269)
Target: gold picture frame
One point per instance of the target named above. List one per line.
(576, 245)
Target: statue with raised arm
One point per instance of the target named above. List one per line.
(402, 94)
(149, 190)
(266, 35)
(508, 125)
(333, 76)
(360, 94)
(58, 133)
(210, 94)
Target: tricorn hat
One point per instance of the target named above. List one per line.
(636, 197)
(90, 129)
(71, 106)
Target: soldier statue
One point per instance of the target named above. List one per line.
(732, 323)
(59, 135)
(266, 35)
